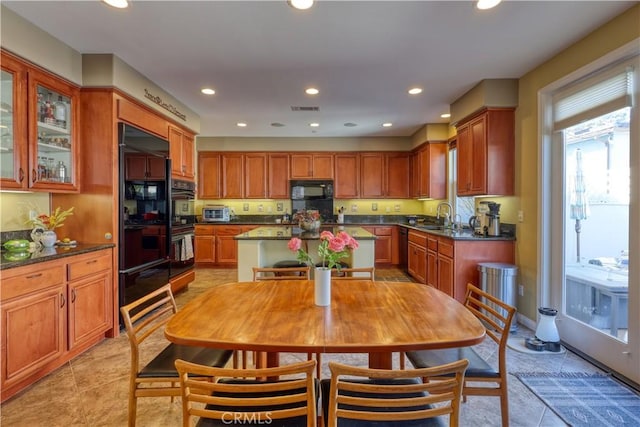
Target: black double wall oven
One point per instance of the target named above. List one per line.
(149, 229)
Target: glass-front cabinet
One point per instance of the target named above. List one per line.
(39, 130)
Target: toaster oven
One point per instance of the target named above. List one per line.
(215, 213)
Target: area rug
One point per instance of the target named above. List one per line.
(584, 399)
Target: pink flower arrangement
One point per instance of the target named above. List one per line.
(331, 250)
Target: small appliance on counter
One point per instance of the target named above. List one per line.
(216, 213)
(486, 222)
(493, 219)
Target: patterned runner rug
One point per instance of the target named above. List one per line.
(584, 399)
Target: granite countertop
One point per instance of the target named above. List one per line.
(286, 232)
(464, 234)
(48, 254)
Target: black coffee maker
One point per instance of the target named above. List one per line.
(493, 220)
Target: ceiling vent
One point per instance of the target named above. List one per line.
(294, 108)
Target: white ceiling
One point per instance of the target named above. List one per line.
(259, 56)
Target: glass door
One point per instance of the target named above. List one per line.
(13, 144)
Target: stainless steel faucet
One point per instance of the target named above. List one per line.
(447, 215)
(457, 222)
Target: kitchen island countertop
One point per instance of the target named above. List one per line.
(286, 232)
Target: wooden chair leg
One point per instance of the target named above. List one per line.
(402, 360)
(504, 407)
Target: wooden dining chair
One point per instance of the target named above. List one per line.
(237, 396)
(159, 377)
(281, 273)
(359, 397)
(360, 273)
(497, 317)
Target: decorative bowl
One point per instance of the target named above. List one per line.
(310, 225)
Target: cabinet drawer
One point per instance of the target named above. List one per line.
(205, 230)
(432, 244)
(89, 264)
(418, 238)
(383, 231)
(22, 281)
(445, 247)
(228, 231)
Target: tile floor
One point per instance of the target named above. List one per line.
(91, 390)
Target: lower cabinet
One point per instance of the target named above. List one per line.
(215, 244)
(386, 245)
(417, 255)
(51, 312)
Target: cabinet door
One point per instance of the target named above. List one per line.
(372, 175)
(156, 168)
(188, 150)
(278, 171)
(209, 170)
(205, 248)
(14, 165)
(255, 177)
(89, 307)
(416, 263)
(232, 175)
(477, 130)
(323, 166)
(398, 176)
(135, 167)
(463, 167)
(301, 166)
(347, 176)
(226, 245)
(33, 333)
(445, 275)
(181, 153)
(52, 120)
(432, 269)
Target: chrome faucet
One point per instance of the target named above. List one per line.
(457, 222)
(446, 215)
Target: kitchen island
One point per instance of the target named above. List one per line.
(264, 246)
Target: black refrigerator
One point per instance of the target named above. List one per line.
(144, 212)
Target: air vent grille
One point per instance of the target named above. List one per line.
(295, 108)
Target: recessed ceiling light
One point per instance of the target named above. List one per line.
(445, 115)
(415, 90)
(241, 125)
(300, 4)
(314, 125)
(208, 91)
(387, 125)
(350, 125)
(487, 4)
(120, 4)
(312, 91)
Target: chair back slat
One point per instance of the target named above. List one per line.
(357, 273)
(281, 273)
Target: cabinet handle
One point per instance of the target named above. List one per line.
(34, 276)
(93, 261)
(73, 295)
(21, 175)
(62, 300)
(34, 175)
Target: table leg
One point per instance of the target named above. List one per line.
(381, 360)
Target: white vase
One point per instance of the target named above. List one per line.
(48, 238)
(322, 287)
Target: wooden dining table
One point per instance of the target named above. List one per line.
(375, 317)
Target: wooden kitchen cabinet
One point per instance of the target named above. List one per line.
(181, 151)
(43, 115)
(429, 170)
(417, 255)
(278, 172)
(485, 145)
(347, 176)
(51, 312)
(311, 166)
(144, 168)
(205, 244)
(255, 175)
(386, 244)
(226, 245)
(209, 170)
(232, 175)
(384, 175)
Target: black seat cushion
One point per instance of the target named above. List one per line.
(289, 264)
(163, 365)
(478, 367)
(300, 421)
(325, 386)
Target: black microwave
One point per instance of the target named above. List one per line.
(311, 190)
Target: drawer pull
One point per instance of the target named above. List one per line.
(34, 276)
(62, 300)
(92, 261)
(73, 295)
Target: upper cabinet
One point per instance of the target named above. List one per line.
(209, 167)
(255, 176)
(278, 172)
(143, 167)
(347, 176)
(311, 166)
(384, 175)
(429, 170)
(39, 118)
(181, 151)
(485, 145)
